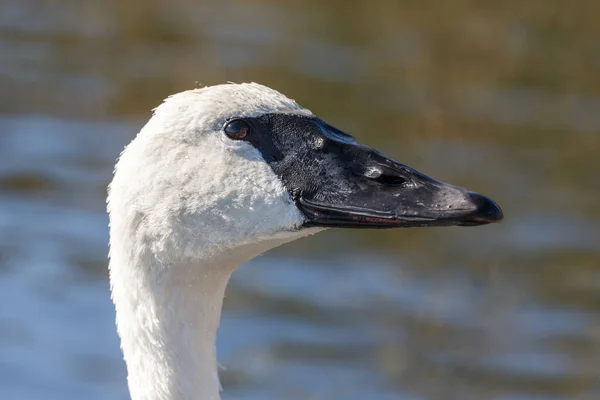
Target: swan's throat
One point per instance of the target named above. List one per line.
(168, 324)
(168, 316)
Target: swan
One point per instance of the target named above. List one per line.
(217, 176)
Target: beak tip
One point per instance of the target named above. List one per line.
(487, 211)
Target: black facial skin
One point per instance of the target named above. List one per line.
(337, 182)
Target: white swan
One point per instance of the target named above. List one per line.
(217, 176)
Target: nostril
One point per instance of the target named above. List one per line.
(391, 180)
(386, 179)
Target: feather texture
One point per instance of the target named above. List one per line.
(187, 205)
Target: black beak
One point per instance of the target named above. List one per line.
(472, 209)
(395, 196)
(337, 182)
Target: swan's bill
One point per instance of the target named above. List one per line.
(338, 182)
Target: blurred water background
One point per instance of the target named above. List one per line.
(500, 97)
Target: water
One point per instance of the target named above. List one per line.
(504, 101)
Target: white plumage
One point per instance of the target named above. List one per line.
(187, 206)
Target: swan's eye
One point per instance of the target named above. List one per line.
(237, 129)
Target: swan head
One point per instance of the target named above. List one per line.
(225, 166)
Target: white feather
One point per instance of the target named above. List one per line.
(187, 205)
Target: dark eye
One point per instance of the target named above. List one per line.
(237, 129)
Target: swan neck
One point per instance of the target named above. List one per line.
(168, 313)
(168, 321)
